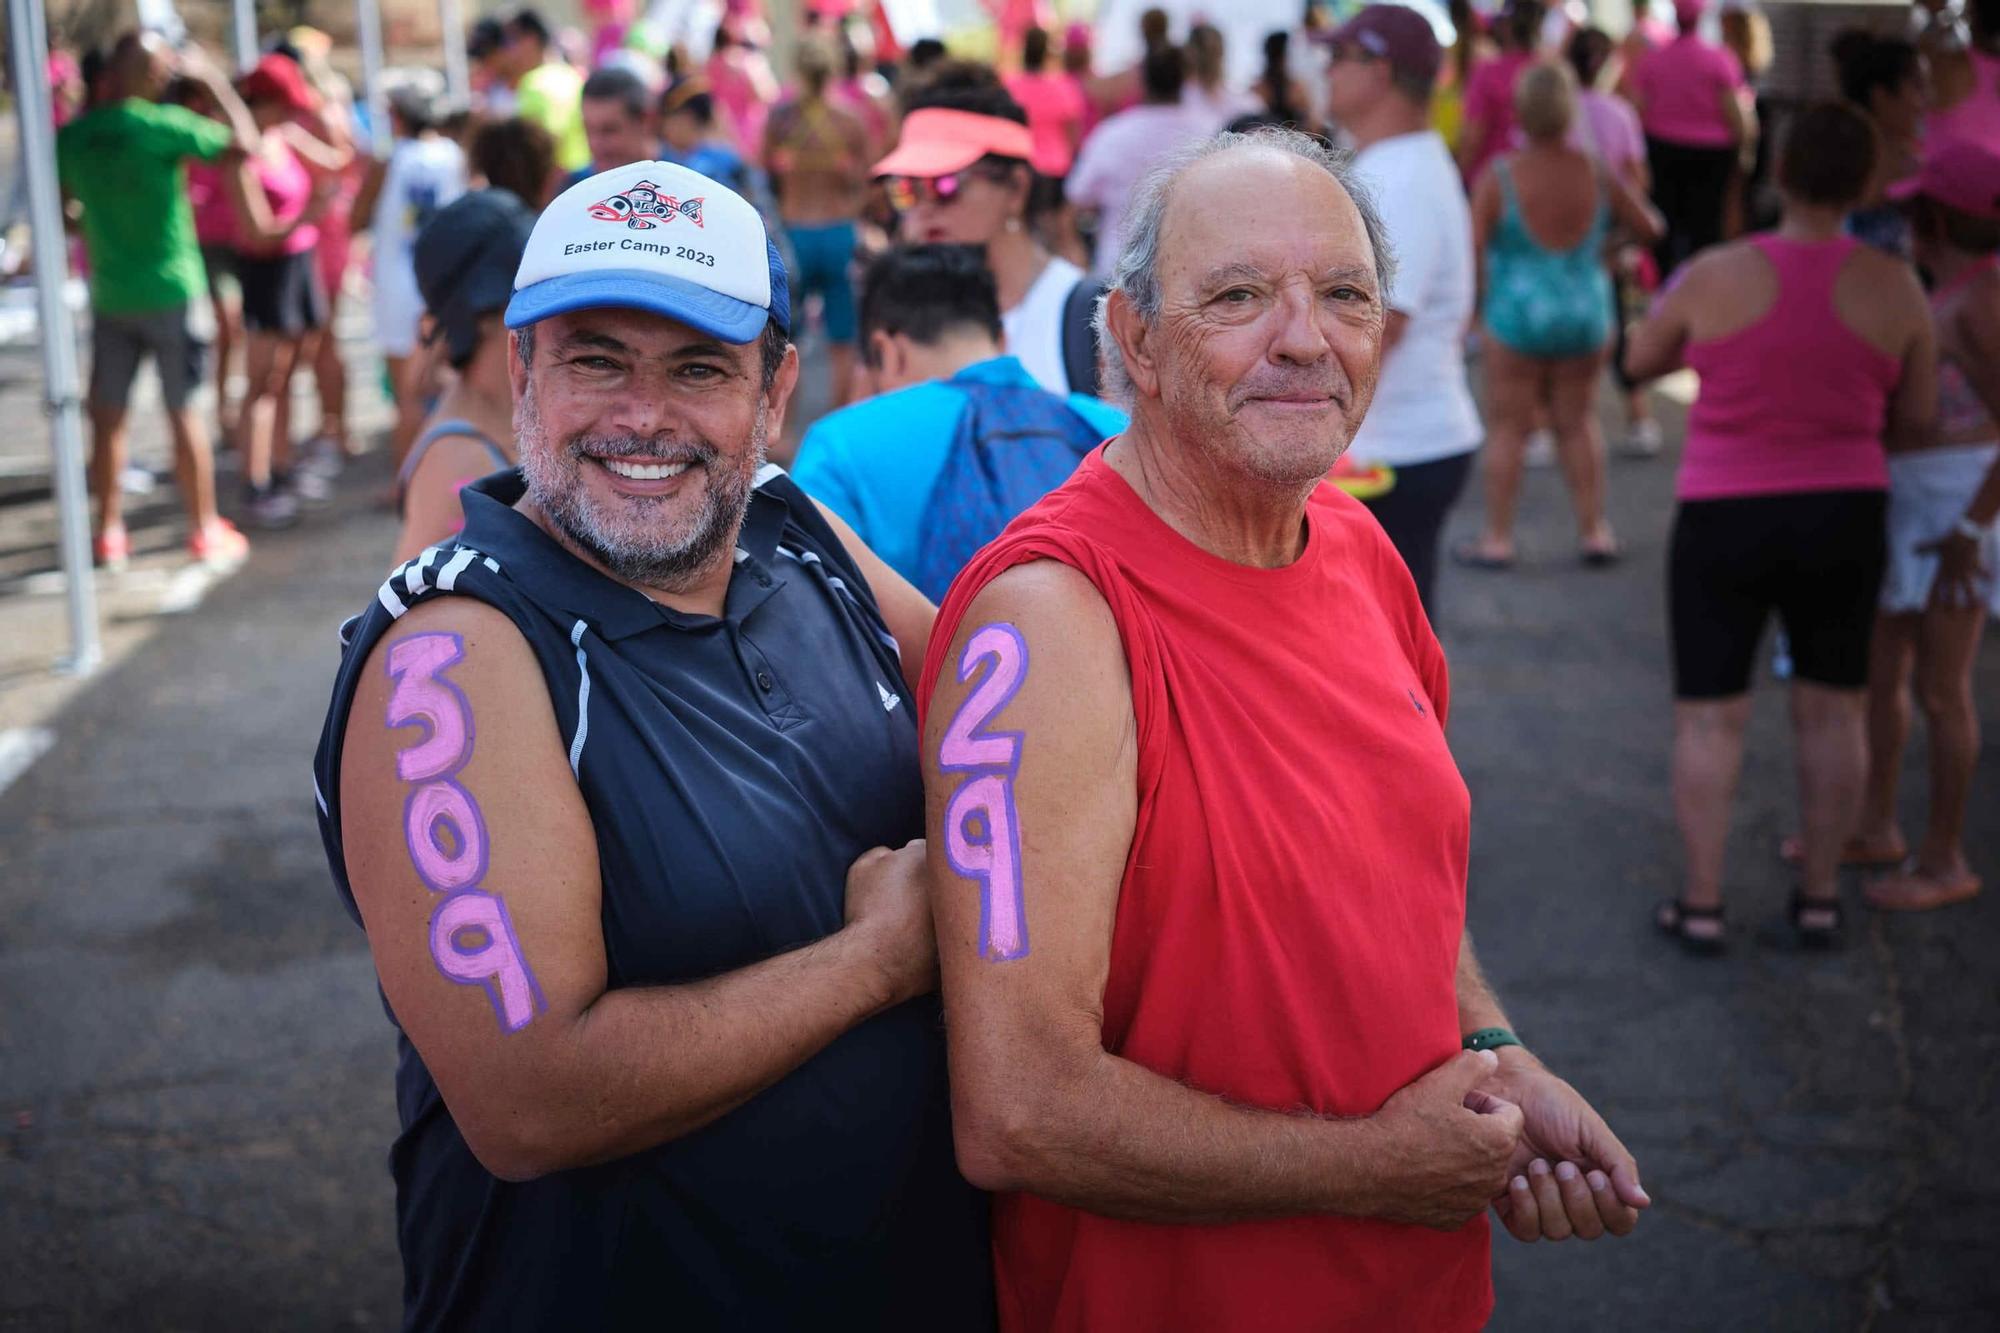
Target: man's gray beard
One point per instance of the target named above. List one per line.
(555, 481)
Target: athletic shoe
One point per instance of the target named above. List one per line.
(271, 508)
(112, 548)
(136, 480)
(322, 456)
(1643, 440)
(307, 486)
(219, 543)
(1541, 450)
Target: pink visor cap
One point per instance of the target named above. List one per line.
(937, 141)
(1959, 173)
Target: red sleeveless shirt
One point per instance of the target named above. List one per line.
(1288, 923)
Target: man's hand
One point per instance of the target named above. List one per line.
(1444, 1146)
(1569, 1176)
(889, 912)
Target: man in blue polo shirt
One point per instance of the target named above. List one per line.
(960, 438)
(622, 785)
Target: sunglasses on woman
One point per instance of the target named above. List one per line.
(906, 192)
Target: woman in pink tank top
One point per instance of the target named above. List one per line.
(1944, 542)
(1814, 353)
(1968, 88)
(279, 200)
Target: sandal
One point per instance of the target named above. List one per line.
(1672, 917)
(1816, 936)
(1469, 555)
(1600, 557)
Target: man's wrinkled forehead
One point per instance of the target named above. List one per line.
(1251, 206)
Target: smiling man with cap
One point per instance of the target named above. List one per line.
(622, 785)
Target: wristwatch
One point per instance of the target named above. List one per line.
(1965, 527)
(1488, 1039)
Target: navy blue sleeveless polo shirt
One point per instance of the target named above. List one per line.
(734, 768)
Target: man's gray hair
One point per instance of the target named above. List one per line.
(1137, 272)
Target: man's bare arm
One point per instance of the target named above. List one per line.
(1037, 1102)
(474, 865)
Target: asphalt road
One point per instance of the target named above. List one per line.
(195, 1101)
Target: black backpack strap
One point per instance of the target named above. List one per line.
(1079, 338)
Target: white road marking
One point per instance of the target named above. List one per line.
(20, 747)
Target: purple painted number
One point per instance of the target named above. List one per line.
(472, 938)
(982, 835)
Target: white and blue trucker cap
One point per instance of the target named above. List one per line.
(654, 236)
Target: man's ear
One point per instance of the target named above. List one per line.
(779, 396)
(517, 374)
(1134, 341)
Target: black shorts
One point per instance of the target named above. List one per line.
(1816, 559)
(280, 293)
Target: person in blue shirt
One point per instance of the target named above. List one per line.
(959, 438)
(687, 124)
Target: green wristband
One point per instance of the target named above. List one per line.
(1488, 1039)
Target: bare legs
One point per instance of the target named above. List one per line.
(1514, 387)
(1517, 387)
(194, 467)
(1935, 649)
(1580, 447)
(1830, 732)
(107, 463)
(1830, 735)
(264, 425)
(1708, 757)
(1892, 652)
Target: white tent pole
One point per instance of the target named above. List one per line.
(370, 14)
(457, 78)
(246, 34)
(29, 53)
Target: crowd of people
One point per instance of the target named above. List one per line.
(1092, 342)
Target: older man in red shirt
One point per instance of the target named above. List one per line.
(1198, 845)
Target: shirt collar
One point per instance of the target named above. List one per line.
(997, 370)
(549, 574)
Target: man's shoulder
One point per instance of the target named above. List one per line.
(870, 424)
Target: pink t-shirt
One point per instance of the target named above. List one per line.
(1056, 107)
(1680, 88)
(1759, 427)
(288, 188)
(1114, 158)
(1977, 117)
(214, 211)
(1608, 129)
(1489, 100)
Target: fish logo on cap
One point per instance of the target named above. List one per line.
(643, 207)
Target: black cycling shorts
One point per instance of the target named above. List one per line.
(1816, 559)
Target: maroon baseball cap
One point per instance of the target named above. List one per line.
(1396, 34)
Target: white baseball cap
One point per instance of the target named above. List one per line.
(654, 236)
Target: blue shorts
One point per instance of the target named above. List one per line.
(825, 255)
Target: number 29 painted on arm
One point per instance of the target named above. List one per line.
(982, 835)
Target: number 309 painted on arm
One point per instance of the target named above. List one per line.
(472, 938)
(982, 835)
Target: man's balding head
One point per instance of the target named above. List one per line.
(1247, 303)
(141, 64)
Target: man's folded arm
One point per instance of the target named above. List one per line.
(474, 865)
(1037, 1102)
